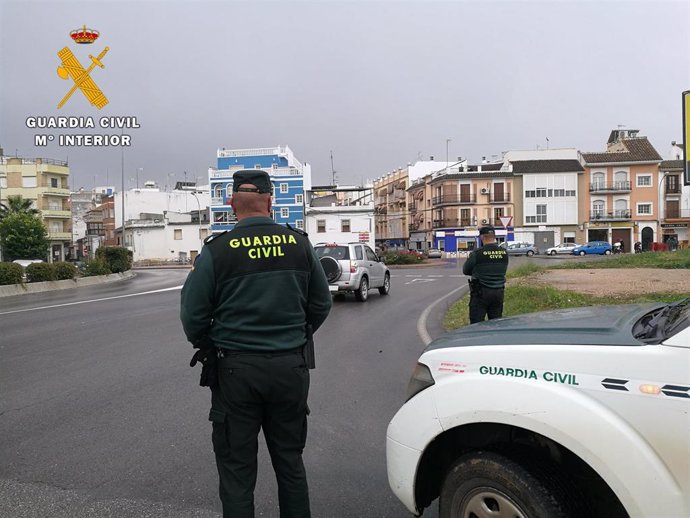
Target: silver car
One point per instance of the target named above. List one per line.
(565, 248)
(518, 248)
(353, 268)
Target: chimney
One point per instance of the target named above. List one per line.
(431, 158)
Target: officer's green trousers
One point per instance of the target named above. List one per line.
(269, 392)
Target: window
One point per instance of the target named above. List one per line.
(320, 226)
(220, 217)
(559, 192)
(284, 212)
(358, 253)
(54, 182)
(299, 198)
(570, 193)
(203, 233)
(644, 180)
(345, 225)
(28, 181)
(672, 184)
(299, 223)
(540, 217)
(177, 234)
(644, 209)
(283, 188)
(530, 194)
(541, 192)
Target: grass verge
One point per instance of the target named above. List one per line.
(521, 297)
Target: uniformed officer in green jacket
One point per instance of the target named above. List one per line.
(251, 294)
(487, 266)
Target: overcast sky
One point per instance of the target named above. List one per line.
(378, 83)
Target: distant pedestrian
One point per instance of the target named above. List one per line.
(621, 245)
(487, 267)
(248, 306)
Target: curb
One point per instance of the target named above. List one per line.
(39, 287)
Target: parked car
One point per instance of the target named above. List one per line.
(593, 247)
(562, 248)
(577, 412)
(518, 248)
(26, 262)
(434, 253)
(353, 268)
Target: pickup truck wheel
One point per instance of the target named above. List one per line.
(362, 293)
(386, 288)
(483, 484)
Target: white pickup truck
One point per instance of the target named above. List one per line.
(573, 413)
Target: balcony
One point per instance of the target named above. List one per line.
(500, 198)
(412, 207)
(677, 215)
(672, 189)
(454, 199)
(56, 213)
(60, 236)
(610, 187)
(445, 222)
(613, 215)
(465, 222)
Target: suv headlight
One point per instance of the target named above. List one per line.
(421, 379)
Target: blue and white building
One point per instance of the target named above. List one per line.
(290, 178)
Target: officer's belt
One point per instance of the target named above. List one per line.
(226, 354)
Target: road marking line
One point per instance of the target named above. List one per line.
(421, 323)
(92, 300)
(412, 275)
(420, 280)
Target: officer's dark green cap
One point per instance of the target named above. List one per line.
(256, 177)
(488, 229)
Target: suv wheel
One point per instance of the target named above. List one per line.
(362, 293)
(386, 288)
(331, 268)
(487, 484)
(530, 253)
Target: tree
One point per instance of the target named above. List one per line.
(17, 205)
(23, 236)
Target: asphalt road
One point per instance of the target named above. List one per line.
(100, 414)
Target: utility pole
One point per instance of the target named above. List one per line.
(332, 170)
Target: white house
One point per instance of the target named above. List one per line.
(340, 215)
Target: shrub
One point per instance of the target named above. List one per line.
(40, 272)
(96, 267)
(117, 258)
(64, 271)
(403, 258)
(10, 273)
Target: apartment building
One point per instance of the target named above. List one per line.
(45, 182)
(290, 178)
(396, 226)
(623, 183)
(674, 202)
(547, 186)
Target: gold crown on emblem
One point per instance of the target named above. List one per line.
(84, 36)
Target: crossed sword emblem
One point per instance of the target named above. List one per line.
(71, 67)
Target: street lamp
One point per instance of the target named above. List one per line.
(198, 204)
(447, 163)
(167, 184)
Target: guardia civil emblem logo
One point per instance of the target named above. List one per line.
(72, 68)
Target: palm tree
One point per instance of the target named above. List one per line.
(16, 204)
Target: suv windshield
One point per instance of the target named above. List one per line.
(336, 252)
(663, 322)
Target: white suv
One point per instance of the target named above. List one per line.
(571, 413)
(353, 268)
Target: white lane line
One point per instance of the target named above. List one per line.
(420, 280)
(412, 275)
(435, 275)
(421, 323)
(92, 300)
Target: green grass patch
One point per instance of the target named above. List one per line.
(670, 260)
(524, 270)
(522, 298)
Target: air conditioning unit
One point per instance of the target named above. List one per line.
(484, 191)
(485, 221)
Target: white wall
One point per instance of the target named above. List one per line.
(359, 222)
(157, 202)
(543, 154)
(160, 243)
(560, 210)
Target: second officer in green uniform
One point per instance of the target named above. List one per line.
(487, 266)
(251, 294)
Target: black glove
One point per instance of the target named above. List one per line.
(207, 355)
